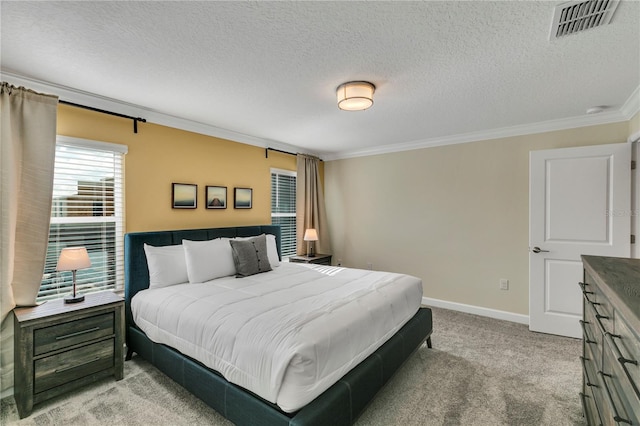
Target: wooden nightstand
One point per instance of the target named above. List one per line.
(59, 347)
(320, 259)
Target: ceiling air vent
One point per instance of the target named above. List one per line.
(577, 16)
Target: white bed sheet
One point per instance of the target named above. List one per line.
(287, 335)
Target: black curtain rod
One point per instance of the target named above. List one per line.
(135, 119)
(266, 152)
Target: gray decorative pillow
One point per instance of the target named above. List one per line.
(250, 256)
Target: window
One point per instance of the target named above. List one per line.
(283, 208)
(87, 210)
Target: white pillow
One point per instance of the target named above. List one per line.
(208, 260)
(272, 250)
(167, 265)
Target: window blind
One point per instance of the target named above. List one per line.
(87, 210)
(283, 208)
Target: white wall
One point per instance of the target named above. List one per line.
(456, 216)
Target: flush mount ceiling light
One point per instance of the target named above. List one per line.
(355, 95)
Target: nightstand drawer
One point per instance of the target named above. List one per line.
(67, 366)
(71, 333)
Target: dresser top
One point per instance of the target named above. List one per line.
(620, 278)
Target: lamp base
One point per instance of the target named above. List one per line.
(311, 252)
(74, 299)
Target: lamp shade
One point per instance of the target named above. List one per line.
(311, 235)
(355, 95)
(72, 259)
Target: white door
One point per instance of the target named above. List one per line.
(579, 203)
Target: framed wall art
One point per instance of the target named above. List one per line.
(242, 198)
(184, 196)
(216, 197)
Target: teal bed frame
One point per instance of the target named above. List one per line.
(339, 405)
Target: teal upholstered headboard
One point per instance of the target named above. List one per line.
(136, 271)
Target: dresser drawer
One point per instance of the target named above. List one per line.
(590, 372)
(603, 304)
(70, 333)
(592, 336)
(590, 409)
(620, 399)
(600, 318)
(629, 346)
(67, 366)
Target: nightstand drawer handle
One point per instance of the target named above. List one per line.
(77, 333)
(62, 370)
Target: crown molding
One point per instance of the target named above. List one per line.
(152, 116)
(625, 113)
(632, 106)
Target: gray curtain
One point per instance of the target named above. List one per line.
(27, 157)
(310, 210)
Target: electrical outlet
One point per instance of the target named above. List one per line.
(370, 266)
(504, 284)
(339, 262)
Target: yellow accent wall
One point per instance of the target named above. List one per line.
(160, 155)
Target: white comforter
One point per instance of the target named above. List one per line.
(286, 335)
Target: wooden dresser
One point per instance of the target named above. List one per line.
(59, 347)
(611, 341)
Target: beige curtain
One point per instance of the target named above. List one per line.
(27, 155)
(310, 211)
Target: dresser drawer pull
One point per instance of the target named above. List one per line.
(616, 416)
(599, 317)
(77, 333)
(586, 335)
(583, 287)
(621, 358)
(70, 367)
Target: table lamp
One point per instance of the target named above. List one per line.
(72, 259)
(310, 235)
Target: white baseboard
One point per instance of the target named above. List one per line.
(6, 393)
(477, 310)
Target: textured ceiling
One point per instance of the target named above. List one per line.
(269, 70)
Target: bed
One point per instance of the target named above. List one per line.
(340, 403)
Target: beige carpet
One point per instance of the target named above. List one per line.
(480, 371)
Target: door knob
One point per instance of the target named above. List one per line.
(539, 250)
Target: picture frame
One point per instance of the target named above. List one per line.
(216, 197)
(184, 196)
(242, 198)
